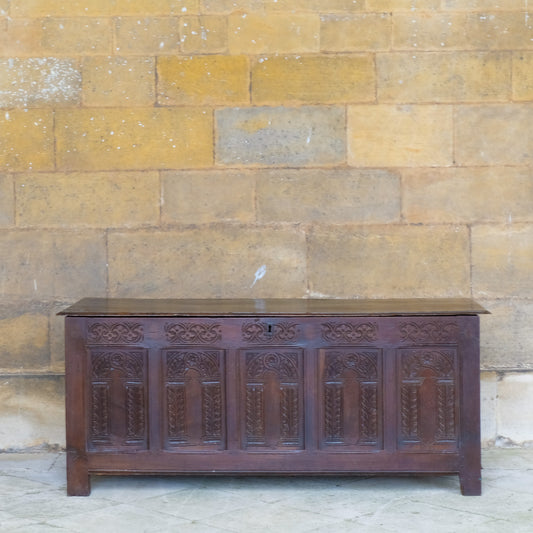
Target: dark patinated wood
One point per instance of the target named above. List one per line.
(272, 386)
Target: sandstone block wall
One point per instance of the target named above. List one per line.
(356, 148)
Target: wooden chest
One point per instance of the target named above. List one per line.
(272, 387)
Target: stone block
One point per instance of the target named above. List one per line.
(313, 79)
(204, 34)
(434, 30)
(7, 200)
(118, 81)
(467, 195)
(33, 413)
(228, 6)
(328, 196)
(35, 82)
(27, 140)
(404, 136)
(489, 403)
(300, 136)
(506, 334)
(523, 76)
(198, 197)
(147, 35)
(20, 37)
(266, 33)
(327, 6)
(505, 30)
(88, 199)
(24, 342)
(359, 32)
(60, 8)
(480, 5)
(154, 7)
(514, 415)
(133, 138)
(498, 134)
(79, 35)
(389, 261)
(443, 77)
(401, 5)
(502, 261)
(203, 80)
(208, 262)
(50, 264)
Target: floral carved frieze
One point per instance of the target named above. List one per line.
(115, 333)
(349, 332)
(192, 333)
(428, 332)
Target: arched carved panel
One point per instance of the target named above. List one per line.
(428, 397)
(194, 399)
(273, 397)
(118, 399)
(351, 383)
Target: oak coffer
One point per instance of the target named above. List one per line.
(280, 386)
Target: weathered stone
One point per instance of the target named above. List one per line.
(118, 81)
(200, 197)
(204, 34)
(33, 412)
(479, 5)
(47, 265)
(506, 340)
(147, 35)
(494, 134)
(59, 8)
(27, 140)
(502, 261)
(328, 196)
(203, 80)
(389, 262)
(280, 136)
(23, 338)
(133, 138)
(7, 200)
(444, 77)
(79, 35)
(154, 7)
(283, 33)
(360, 32)
(523, 76)
(462, 30)
(514, 414)
(407, 136)
(489, 403)
(313, 79)
(400, 5)
(34, 82)
(467, 195)
(88, 199)
(210, 262)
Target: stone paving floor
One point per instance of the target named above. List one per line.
(33, 499)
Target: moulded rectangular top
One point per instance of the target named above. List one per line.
(289, 306)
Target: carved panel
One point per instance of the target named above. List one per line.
(194, 384)
(351, 388)
(192, 333)
(428, 397)
(428, 332)
(349, 333)
(269, 333)
(273, 397)
(118, 398)
(115, 333)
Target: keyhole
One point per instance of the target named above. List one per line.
(270, 328)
